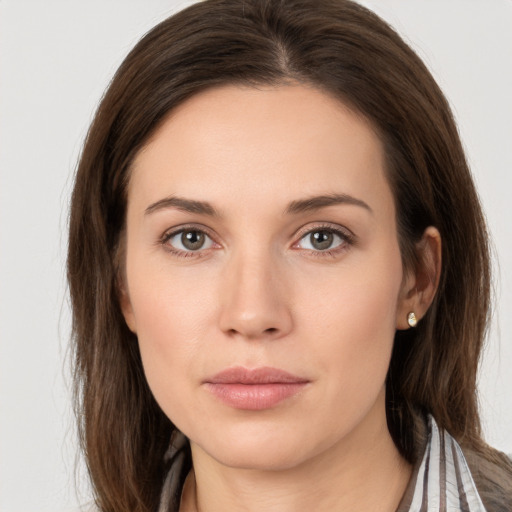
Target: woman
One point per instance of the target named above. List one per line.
(269, 270)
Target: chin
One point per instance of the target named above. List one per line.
(266, 449)
(257, 457)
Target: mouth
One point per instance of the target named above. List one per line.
(254, 389)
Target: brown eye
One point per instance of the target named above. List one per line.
(321, 240)
(188, 240)
(192, 240)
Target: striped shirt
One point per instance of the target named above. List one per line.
(441, 480)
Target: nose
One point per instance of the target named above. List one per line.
(254, 299)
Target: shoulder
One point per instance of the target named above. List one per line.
(457, 477)
(492, 474)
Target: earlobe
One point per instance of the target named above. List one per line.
(420, 285)
(411, 319)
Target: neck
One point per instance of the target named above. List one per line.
(363, 471)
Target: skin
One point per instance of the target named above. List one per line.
(260, 293)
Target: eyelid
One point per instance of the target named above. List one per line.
(187, 227)
(327, 226)
(347, 236)
(176, 230)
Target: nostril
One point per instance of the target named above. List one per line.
(269, 331)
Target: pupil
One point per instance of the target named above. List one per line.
(192, 240)
(321, 240)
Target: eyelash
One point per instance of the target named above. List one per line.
(347, 239)
(168, 235)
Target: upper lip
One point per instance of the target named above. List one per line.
(261, 375)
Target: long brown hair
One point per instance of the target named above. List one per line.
(347, 51)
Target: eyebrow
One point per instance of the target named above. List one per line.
(186, 205)
(293, 208)
(317, 202)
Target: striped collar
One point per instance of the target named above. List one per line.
(441, 480)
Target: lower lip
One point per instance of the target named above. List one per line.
(255, 397)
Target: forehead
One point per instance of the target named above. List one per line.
(280, 143)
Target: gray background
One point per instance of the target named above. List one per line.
(56, 58)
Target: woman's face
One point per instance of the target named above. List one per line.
(263, 274)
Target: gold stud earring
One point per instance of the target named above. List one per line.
(412, 320)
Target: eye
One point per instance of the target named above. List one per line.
(323, 239)
(188, 240)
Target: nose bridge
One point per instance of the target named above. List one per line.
(254, 303)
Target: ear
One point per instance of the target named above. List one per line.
(126, 304)
(420, 284)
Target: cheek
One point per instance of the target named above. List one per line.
(167, 303)
(172, 315)
(353, 323)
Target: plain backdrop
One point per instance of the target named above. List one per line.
(56, 58)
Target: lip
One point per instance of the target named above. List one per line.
(254, 389)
